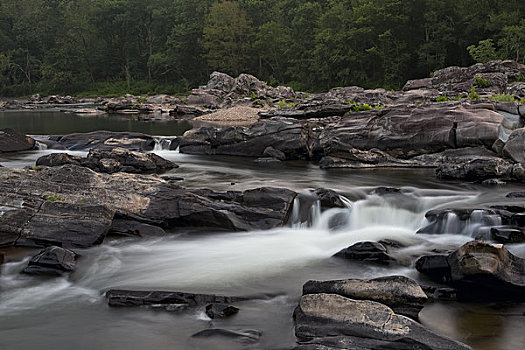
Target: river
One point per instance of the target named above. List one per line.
(67, 312)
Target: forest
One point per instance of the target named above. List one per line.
(110, 47)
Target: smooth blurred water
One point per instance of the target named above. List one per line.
(71, 312)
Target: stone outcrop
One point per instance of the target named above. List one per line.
(361, 324)
(75, 206)
(479, 271)
(53, 261)
(113, 161)
(218, 310)
(400, 293)
(13, 141)
(460, 79)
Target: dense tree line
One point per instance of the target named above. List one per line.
(105, 46)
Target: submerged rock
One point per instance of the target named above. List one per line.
(220, 310)
(248, 336)
(372, 252)
(363, 324)
(13, 141)
(53, 261)
(128, 298)
(400, 293)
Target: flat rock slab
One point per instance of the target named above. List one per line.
(106, 140)
(129, 298)
(332, 315)
(13, 141)
(400, 293)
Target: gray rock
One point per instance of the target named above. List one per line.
(328, 198)
(53, 261)
(505, 234)
(132, 228)
(330, 315)
(245, 337)
(515, 146)
(400, 293)
(13, 141)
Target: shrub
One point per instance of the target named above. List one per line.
(504, 98)
(283, 104)
(481, 82)
(442, 98)
(473, 95)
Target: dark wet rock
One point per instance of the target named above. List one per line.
(106, 140)
(249, 336)
(400, 293)
(518, 220)
(435, 267)
(362, 324)
(220, 310)
(132, 228)
(476, 169)
(73, 205)
(504, 234)
(13, 141)
(371, 252)
(2, 259)
(116, 160)
(493, 182)
(66, 224)
(328, 198)
(53, 261)
(274, 153)
(130, 298)
(483, 271)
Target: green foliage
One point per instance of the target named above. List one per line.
(484, 51)
(503, 98)
(442, 98)
(253, 96)
(283, 104)
(473, 95)
(481, 82)
(54, 198)
(113, 47)
(361, 108)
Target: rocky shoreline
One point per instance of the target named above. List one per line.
(68, 203)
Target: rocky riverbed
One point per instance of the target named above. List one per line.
(133, 223)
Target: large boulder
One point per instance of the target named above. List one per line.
(112, 161)
(53, 261)
(364, 325)
(400, 293)
(478, 169)
(71, 205)
(106, 140)
(515, 146)
(480, 271)
(13, 141)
